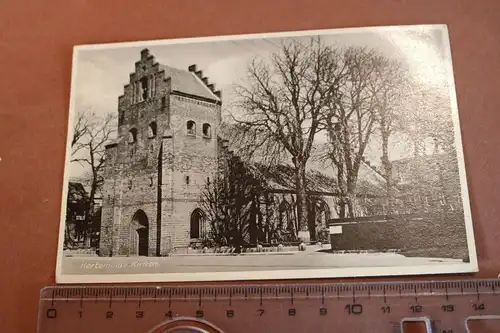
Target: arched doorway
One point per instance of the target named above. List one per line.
(322, 213)
(322, 216)
(285, 228)
(140, 222)
(197, 224)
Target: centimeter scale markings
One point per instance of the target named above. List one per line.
(435, 306)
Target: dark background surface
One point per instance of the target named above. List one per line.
(36, 40)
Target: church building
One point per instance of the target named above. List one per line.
(165, 151)
(168, 148)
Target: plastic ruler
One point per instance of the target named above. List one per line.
(452, 306)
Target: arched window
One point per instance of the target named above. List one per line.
(322, 214)
(152, 130)
(132, 135)
(197, 224)
(191, 127)
(144, 88)
(207, 131)
(284, 218)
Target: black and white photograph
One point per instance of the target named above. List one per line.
(311, 154)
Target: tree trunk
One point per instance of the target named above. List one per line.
(260, 219)
(351, 196)
(254, 229)
(388, 172)
(342, 190)
(350, 207)
(311, 219)
(268, 221)
(342, 211)
(300, 181)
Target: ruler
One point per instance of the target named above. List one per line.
(452, 306)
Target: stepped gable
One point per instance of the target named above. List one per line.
(190, 82)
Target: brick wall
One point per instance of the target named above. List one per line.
(133, 169)
(131, 172)
(187, 156)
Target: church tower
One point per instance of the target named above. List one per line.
(165, 152)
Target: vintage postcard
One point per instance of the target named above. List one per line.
(330, 153)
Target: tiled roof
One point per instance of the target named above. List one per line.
(281, 177)
(321, 176)
(188, 83)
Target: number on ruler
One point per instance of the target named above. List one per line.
(109, 314)
(478, 307)
(386, 309)
(356, 309)
(448, 308)
(416, 308)
(230, 313)
(199, 314)
(139, 314)
(323, 311)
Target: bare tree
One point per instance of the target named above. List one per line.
(349, 120)
(282, 105)
(230, 202)
(80, 129)
(390, 88)
(90, 135)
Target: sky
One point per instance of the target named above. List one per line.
(101, 71)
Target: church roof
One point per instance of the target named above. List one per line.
(282, 177)
(187, 82)
(321, 175)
